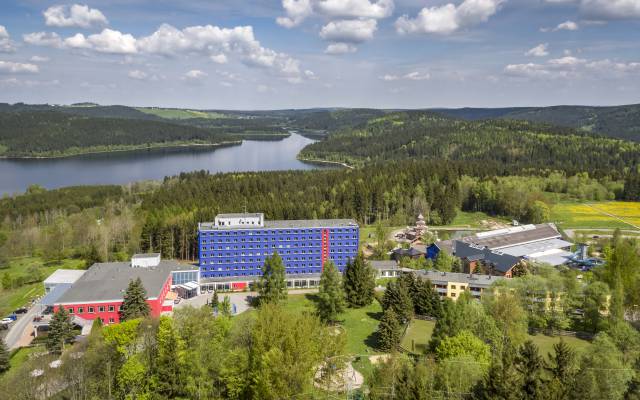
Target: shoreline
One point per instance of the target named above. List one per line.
(220, 144)
(309, 160)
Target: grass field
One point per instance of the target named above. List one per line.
(171, 113)
(417, 336)
(474, 219)
(360, 324)
(420, 333)
(10, 299)
(609, 214)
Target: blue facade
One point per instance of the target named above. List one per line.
(242, 251)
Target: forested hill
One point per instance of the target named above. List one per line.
(46, 133)
(513, 146)
(615, 121)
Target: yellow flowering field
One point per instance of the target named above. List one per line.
(606, 214)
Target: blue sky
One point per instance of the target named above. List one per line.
(267, 54)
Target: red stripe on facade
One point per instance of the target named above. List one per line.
(325, 246)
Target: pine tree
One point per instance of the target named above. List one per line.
(170, 362)
(331, 300)
(215, 302)
(530, 365)
(4, 357)
(502, 382)
(562, 367)
(426, 300)
(60, 331)
(389, 331)
(135, 301)
(396, 296)
(272, 286)
(359, 282)
(225, 306)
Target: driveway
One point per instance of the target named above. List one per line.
(21, 328)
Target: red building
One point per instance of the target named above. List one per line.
(99, 293)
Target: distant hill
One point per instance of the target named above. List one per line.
(616, 121)
(497, 145)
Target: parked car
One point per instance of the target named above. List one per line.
(13, 317)
(21, 310)
(37, 318)
(6, 321)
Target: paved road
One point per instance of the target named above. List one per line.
(18, 328)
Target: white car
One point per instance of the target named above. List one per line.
(6, 321)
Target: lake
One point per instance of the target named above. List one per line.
(129, 166)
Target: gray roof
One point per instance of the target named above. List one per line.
(501, 262)
(108, 281)
(508, 239)
(51, 298)
(445, 245)
(438, 277)
(384, 264)
(410, 252)
(285, 224)
(535, 247)
(64, 276)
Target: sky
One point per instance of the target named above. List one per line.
(274, 54)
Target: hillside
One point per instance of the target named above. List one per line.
(616, 121)
(46, 133)
(495, 144)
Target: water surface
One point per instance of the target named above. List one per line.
(123, 167)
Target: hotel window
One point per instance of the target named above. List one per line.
(101, 309)
(80, 310)
(120, 307)
(112, 308)
(70, 309)
(91, 310)
(453, 287)
(111, 320)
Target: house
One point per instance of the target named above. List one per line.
(483, 260)
(386, 269)
(452, 285)
(412, 252)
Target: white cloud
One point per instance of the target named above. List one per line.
(412, 76)
(226, 84)
(194, 75)
(39, 59)
(10, 67)
(107, 41)
(297, 11)
(567, 26)
(50, 39)
(138, 75)
(571, 67)
(80, 16)
(349, 31)
(417, 76)
(219, 58)
(209, 41)
(340, 48)
(310, 74)
(540, 50)
(263, 88)
(610, 9)
(449, 18)
(27, 82)
(356, 8)
(6, 45)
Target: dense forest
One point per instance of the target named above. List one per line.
(616, 121)
(502, 146)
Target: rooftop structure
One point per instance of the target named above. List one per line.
(452, 285)
(62, 276)
(518, 235)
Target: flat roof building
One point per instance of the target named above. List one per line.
(236, 245)
(99, 292)
(452, 284)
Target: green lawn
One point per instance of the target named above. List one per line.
(360, 324)
(473, 219)
(545, 343)
(10, 299)
(418, 335)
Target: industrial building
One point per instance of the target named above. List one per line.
(234, 247)
(99, 291)
(539, 243)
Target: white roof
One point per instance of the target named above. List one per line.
(64, 276)
(552, 257)
(530, 249)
